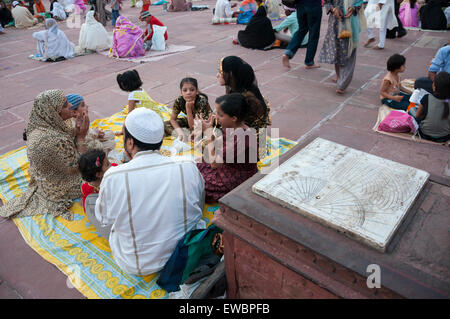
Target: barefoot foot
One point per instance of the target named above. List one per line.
(366, 45)
(338, 91)
(314, 66)
(285, 61)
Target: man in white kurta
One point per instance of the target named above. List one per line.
(151, 202)
(380, 14)
(223, 12)
(22, 16)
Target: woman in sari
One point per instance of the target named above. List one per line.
(93, 35)
(342, 51)
(127, 40)
(53, 43)
(53, 153)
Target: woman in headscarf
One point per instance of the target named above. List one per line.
(93, 35)
(258, 33)
(238, 77)
(53, 153)
(339, 47)
(432, 16)
(127, 40)
(5, 15)
(57, 10)
(53, 43)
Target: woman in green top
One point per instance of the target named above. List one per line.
(290, 23)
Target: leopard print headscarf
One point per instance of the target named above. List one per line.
(45, 112)
(54, 178)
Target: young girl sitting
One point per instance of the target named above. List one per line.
(92, 166)
(392, 93)
(95, 138)
(192, 103)
(433, 111)
(130, 81)
(223, 172)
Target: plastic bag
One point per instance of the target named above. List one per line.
(180, 146)
(158, 41)
(344, 32)
(139, 4)
(398, 122)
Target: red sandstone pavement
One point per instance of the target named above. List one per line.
(303, 102)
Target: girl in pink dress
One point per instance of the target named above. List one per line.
(409, 13)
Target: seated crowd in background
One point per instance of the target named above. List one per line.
(428, 104)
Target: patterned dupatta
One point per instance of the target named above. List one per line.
(355, 23)
(127, 39)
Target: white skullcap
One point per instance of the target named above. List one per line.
(15, 3)
(145, 125)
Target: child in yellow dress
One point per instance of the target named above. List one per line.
(130, 81)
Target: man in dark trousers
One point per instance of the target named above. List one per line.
(309, 16)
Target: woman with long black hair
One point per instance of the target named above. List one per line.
(238, 77)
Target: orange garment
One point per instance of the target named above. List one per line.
(39, 7)
(410, 106)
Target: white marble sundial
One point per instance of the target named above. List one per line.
(362, 195)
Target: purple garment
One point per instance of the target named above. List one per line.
(127, 39)
(79, 6)
(409, 16)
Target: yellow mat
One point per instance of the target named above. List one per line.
(74, 246)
